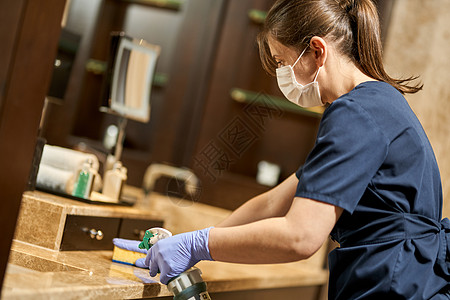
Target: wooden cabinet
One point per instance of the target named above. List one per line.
(59, 223)
(96, 233)
(89, 233)
(134, 229)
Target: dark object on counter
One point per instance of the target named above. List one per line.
(40, 143)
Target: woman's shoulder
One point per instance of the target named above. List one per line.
(381, 104)
(372, 91)
(370, 96)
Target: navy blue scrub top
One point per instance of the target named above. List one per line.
(373, 159)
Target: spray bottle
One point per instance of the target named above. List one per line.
(189, 285)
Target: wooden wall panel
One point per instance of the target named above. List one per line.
(8, 36)
(31, 29)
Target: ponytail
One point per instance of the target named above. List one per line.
(352, 24)
(368, 51)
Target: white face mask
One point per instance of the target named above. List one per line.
(302, 95)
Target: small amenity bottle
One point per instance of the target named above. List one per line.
(85, 181)
(114, 180)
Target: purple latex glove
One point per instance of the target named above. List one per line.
(174, 255)
(131, 245)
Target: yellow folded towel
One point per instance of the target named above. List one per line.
(127, 257)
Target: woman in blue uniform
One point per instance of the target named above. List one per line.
(371, 180)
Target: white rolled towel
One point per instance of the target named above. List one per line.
(66, 159)
(59, 168)
(54, 179)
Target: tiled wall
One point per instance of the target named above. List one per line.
(418, 43)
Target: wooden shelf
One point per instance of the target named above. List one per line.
(168, 4)
(244, 96)
(257, 16)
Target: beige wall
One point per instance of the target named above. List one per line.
(418, 43)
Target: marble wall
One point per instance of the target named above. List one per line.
(418, 43)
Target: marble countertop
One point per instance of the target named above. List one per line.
(42, 273)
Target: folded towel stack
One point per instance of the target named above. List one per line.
(59, 168)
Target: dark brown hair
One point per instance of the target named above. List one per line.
(353, 25)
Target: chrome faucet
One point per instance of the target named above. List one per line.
(155, 171)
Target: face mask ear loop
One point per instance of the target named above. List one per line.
(300, 56)
(317, 74)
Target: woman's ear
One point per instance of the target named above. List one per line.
(320, 49)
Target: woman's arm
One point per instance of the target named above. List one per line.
(296, 236)
(274, 203)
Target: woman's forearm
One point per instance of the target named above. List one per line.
(295, 236)
(262, 242)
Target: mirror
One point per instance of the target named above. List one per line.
(131, 76)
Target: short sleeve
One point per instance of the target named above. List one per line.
(349, 150)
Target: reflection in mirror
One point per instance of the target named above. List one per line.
(65, 57)
(132, 77)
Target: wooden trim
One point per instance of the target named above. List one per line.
(29, 31)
